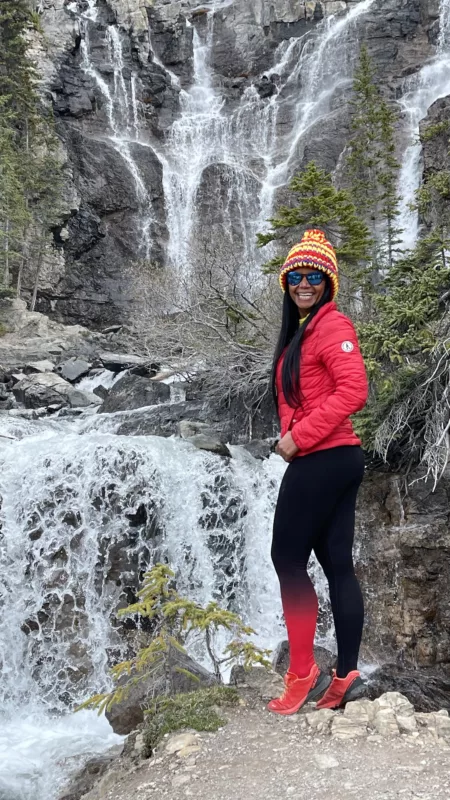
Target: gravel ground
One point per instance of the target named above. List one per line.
(260, 755)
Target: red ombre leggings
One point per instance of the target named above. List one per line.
(316, 512)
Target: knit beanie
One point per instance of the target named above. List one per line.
(316, 252)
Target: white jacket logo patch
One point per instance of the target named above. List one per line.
(347, 347)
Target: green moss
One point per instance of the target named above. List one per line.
(3, 329)
(197, 710)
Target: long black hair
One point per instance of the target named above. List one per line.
(291, 335)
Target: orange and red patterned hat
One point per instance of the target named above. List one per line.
(314, 251)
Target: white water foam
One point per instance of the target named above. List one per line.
(421, 91)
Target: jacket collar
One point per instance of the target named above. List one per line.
(326, 309)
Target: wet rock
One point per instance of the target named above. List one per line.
(73, 369)
(134, 391)
(118, 362)
(427, 689)
(95, 768)
(127, 715)
(79, 399)
(210, 443)
(42, 389)
(260, 448)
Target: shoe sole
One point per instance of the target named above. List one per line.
(322, 684)
(356, 691)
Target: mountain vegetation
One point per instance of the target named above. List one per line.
(30, 171)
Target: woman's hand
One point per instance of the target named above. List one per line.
(286, 447)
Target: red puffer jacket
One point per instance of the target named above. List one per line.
(333, 385)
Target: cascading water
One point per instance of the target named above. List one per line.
(421, 91)
(246, 145)
(122, 112)
(83, 512)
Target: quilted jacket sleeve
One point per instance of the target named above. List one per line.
(339, 352)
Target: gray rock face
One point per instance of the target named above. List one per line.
(118, 85)
(134, 391)
(73, 369)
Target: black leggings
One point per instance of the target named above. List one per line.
(316, 512)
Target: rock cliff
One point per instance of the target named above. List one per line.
(182, 124)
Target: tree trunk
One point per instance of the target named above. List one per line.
(36, 277)
(6, 271)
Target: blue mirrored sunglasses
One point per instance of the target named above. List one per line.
(313, 278)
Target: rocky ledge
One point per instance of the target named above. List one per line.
(384, 739)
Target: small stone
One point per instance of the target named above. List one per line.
(399, 704)
(345, 728)
(180, 780)
(385, 722)
(188, 751)
(357, 711)
(406, 724)
(139, 744)
(320, 719)
(325, 761)
(181, 740)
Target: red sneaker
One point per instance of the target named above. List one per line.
(299, 691)
(343, 690)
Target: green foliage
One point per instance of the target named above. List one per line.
(371, 162)
(433, 131)
(319, 204)
(398, 342)
(196, 710)
(30, 173)
(177, 620)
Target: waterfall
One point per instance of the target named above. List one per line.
(77, 530)
(247, 145)
(122, 113)
(421, 91)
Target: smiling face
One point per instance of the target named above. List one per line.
(304, 295)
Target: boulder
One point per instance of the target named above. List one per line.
(89, 775)
(39, 366)
(210, 443)
(161, 420)
(73, 369)
(79, 399)
(203, 437)
(42, 389)
(265, 683)
(325, 660)
(426, 689)
(118, 362)
(260, 448)
(127, 715)
(134, 391)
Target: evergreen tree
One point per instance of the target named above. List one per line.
(319, 204)
(30, 175)
(371, 162)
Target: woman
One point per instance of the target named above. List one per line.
(318, 381)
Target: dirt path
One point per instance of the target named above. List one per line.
(258, 755)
